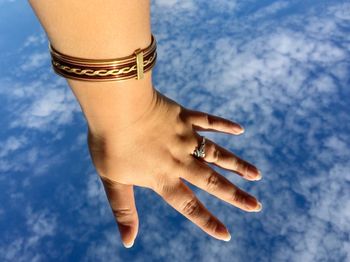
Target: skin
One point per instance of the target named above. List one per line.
(136, 135)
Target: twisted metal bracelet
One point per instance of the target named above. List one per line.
(118, 69)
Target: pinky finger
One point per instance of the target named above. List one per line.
(182, 198)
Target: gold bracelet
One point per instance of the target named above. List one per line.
(118, 69)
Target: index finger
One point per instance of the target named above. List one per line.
(207, 122)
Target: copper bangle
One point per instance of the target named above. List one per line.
(132, 66)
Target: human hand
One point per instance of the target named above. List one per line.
(155, 152)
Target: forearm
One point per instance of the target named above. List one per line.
(101, 30)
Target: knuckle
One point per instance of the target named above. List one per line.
(243, 167)
(183, 114)
(216, 155)
(191, 207)
(159, 184)
(238, 196)
(211, 224)
(236, 164)
(176, 163)
(212, 153)
(212, 181)
(209, 120)
(123, 215)
(165, 187)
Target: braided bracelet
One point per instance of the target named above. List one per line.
(132, 66)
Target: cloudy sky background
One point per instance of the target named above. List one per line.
(279, 68)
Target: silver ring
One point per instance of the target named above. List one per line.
(200, 151)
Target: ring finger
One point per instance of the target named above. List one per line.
(223, 158)
(203, 176)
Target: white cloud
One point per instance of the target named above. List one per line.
(293, 69)
(269, 10)
(183, 4)
(34, 40)
(341, 11)
(41, 224)
(34, 61)
(24, 247)
(11, 144)
(51, 105)
(6, 1)
(280, 78)
(104, 249)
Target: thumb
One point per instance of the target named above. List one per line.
(122, 201)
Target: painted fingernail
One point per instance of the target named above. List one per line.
(228, 238)
(222, 229)
(128, 245)
(251, 202)
(242, 130)
(259, 208)
(253, 173)
(259, 177)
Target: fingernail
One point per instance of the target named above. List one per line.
(259, 177)
(129, 245)
(259, 207)
(222, 229)
(228, 237)
(250, 202)
(242, 130)
(253, 173)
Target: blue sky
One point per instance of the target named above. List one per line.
(279, 68)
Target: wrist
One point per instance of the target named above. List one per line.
(113, 105)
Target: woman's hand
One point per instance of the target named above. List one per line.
(155, 151)
(128, 145)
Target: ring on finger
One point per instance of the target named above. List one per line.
(199, 151)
